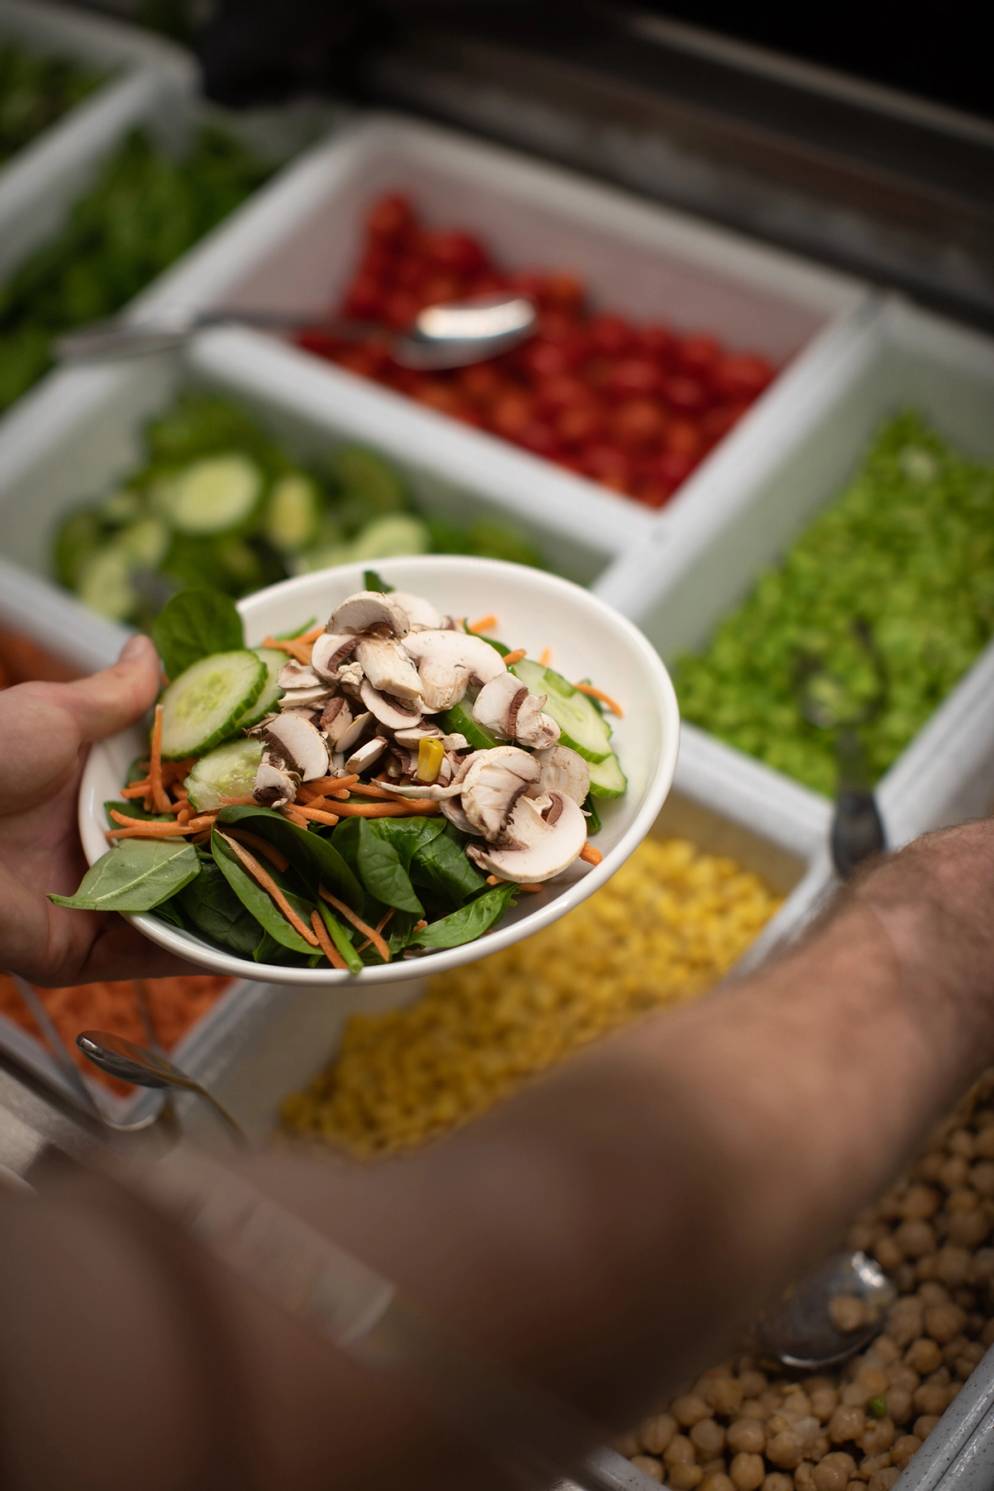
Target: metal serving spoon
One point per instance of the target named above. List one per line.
(801, 1332)
(451, 335)
(131, 1063)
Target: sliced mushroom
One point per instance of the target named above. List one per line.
(449, 808)
(275, 784)
(509, 710)
(368, 612)
(562, 770)
(491, 786)
(294, 675)
(539, 846)
(390, 712)
(311, 698)
(329, 652)
(389, 669)
(455, 742)
(421, 614)
(413, 735)
(336, 719)
(296, 742)
(447, 662)
(530, 726)
(360, 724)
(350, 677)
(367, 754)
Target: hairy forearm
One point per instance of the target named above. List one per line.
(611, 1228)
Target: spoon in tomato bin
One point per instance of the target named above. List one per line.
(452, 335)
(130, 1063)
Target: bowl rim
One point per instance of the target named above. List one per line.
(659, 685)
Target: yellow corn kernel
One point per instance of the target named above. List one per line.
(431, 754)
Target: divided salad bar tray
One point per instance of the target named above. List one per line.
(849, 364)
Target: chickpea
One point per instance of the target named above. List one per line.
(924, 1425)
(752, 1383)
(921, 1202)
(962, 1199)
(982, 1178)
(708, 1438)
(785, 1450)
(873, 1380)
(747, 1472)
(929, 1167)
(944, 1322)
(824, 1401)
(983, 1145)
(931, 1398)
(684, 1477)
(961, 1142)
(954, 1172)
(915, 1238)
(690, 1409)
(924, 1355)
(834, 1473)
(804, 1476)
(907, 1320)
(934, 1294)
(903, 1449)
(903, 1376)
(852, 1395)
(899, 1404)
(846, 1424)
(649, 1467)
(796, 1403)
(679, 1451)
(886, 1350)
(724, 1395)
(861, 1236)
(952, 1265)
(887, 1252)
(718, 1481)
(982, 1264)
(778, 1481)
(746, 1436)
(657, 1433)
(883, 1480)
(968, 1229)
(878, 1436)
(628, 1445)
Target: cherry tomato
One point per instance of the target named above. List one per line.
(450, 249)
(511, 415)
(390, 218)
(637, 423)
(400, 309)
(653, 492)
(742, 376)
(540, 438)
(633, 378)
(609, 465)
(409, 272)
(685, 395)
(541, 359)
(527, 282)
(562, 290)
(717, 422)
(610, 334)
(580, 424)
(443, 397)
(696, 355)
(365, 299)
(673, 467)
(437, 289)
(684, 437)
(359, 360)
(317, 342)
(482, 382)
(656, 342)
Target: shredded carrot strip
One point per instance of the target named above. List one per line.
(483, 624)
(591, 854)
(310, 636)
(545, 657)
(320, 785)
(136, 789)
(155, 830)
(514, 657)
(610, 704)
(357, 922)
(317, 815)
(374, 789)
(531, 890)
(325, 943)
(179, 793)
(159, 797)
(261, 846)
(420, 925)
(248, 801)
(295, 816)
(185, 813)
(386, 809)
(296, 648)
(263, 878)
(380, 925)
(493, 880)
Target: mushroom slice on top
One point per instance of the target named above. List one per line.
(294, 675)
(508, 709)
(562, 770)
(292, 739)
(368, 612)
(354, 732)
(449, 808)
(367, 754)
(447, 661)
(539, 845)
(492, 784)
(311, 698)
(389, 669)
(421, 614)
(390, 712)
(329, 652)
(336, 719)
(413, 735)
(274, 784)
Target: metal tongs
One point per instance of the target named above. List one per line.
(827, 702)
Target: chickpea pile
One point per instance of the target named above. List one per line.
(667, 926)
(743, 1427)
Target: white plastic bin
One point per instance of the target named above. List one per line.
(678, 591)
(294, 249)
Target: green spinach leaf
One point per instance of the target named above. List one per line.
(469, 922)
(441, 866)
(382, 872)
(136, 875)
(214, 911)
(405, 835)
(257, 903)
(340, 938)
(315, 858)
(192, 625)
(373, 581)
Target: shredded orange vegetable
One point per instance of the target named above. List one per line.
(310, 636)
(294, 815)
(317, 815)
(262, 846)
(296, 648)
(158, 792)
(263, 878)
(396, 809)
(376, 789)
(325, 943)
(545, 657)
(511, 658)
(320, 785)
(531, 890)
(136, 828)
(610, 704)
(247, 801)
(136, 789)
(350, 916)
(592, 855)
(483, 624)
(380, 925)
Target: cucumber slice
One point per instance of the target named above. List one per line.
(364, 474)
(228, 771)
(607, 778)
(239, 561)
(217, 494)
(328, 556)
(459, 721)
(201, 708)
(146, 541)
(122, 506)
(293, 513)
(582, 727)
(388, 538)
(271, 691)
(105, 584)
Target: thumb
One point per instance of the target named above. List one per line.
(108, 701)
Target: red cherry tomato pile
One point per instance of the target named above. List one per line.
(634, 406)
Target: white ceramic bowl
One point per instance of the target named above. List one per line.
(535, 610)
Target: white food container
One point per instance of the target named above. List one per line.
(678, 591)
(296, 245)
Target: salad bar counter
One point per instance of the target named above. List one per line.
(782, 475)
